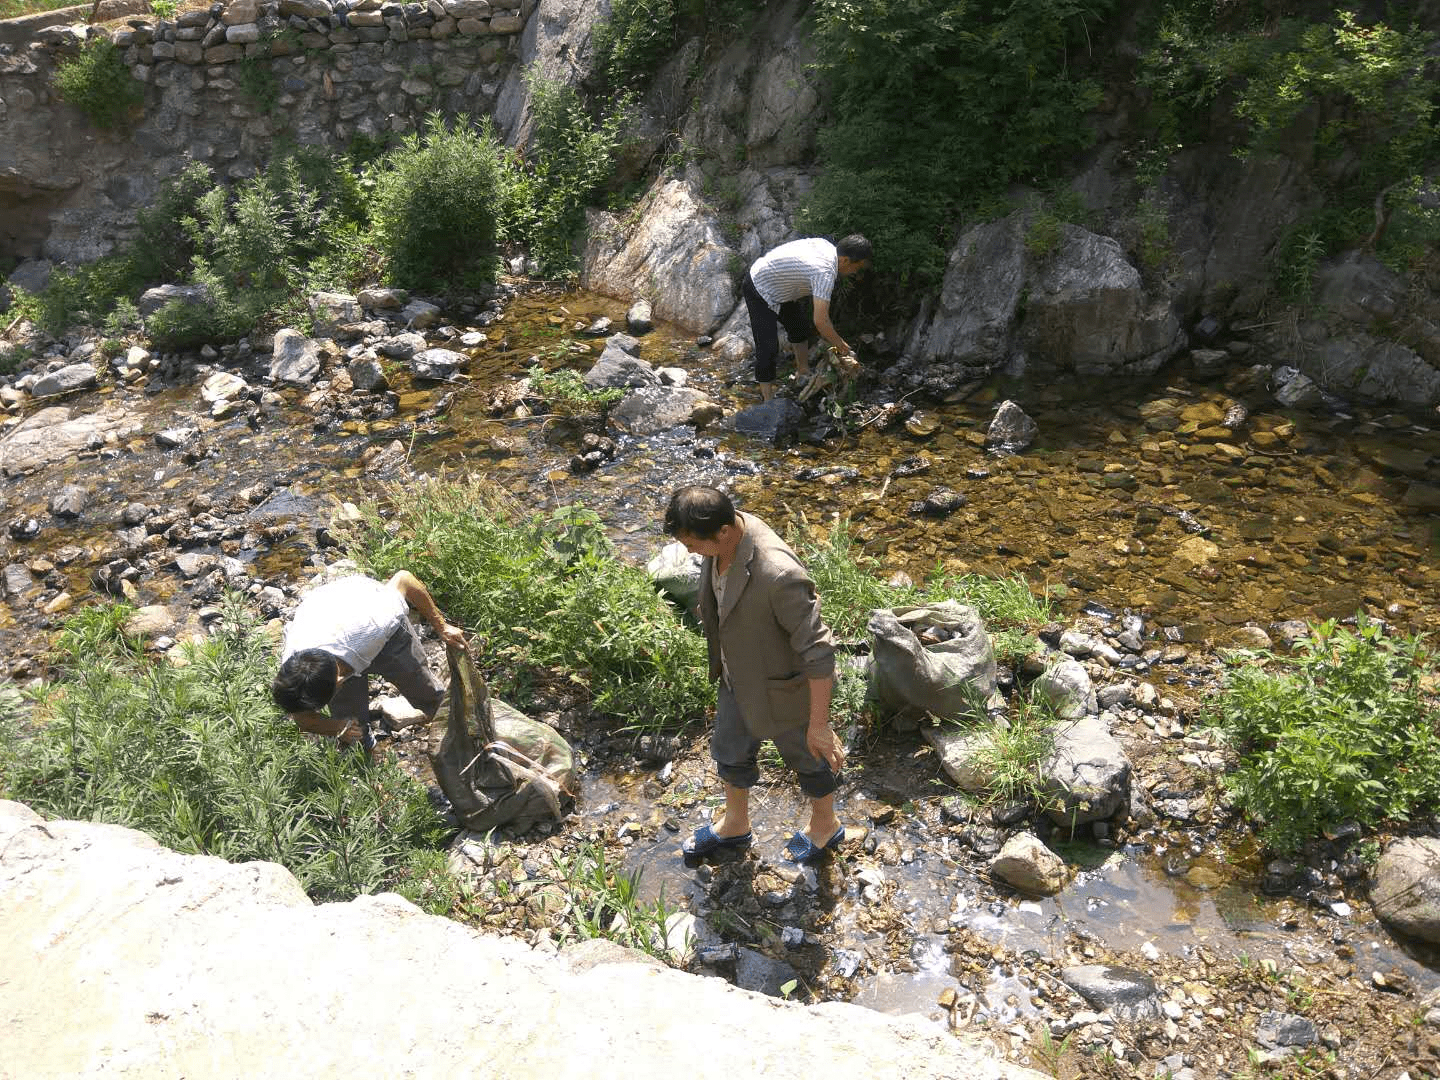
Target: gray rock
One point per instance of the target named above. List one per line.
(296, 360)
(152, 300)
(639, 318)
(1088, 776)
(616, 367)
(18, 581)
(1278, 1030)
(329, 311)
(174, 438)
(1011, 430)
(649, 409)
(774, 421)
(418, 314)
(367, 374)
(379, 298)
(223, 386)
(756, 971)
(306, 9)
(467, 9)
(1029, 866)
(1067, 688)
(32, 275)
(53, 434)
(1127, 994)
(70, 501)
(193, 564)
(439, 365)
(1406, 889)
(401, 346)
(1295, 390)
(66, 380)
(151, 621)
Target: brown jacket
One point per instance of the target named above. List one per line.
(769, 631)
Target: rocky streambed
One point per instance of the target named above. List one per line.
(1217, 506)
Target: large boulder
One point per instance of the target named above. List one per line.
(329, 311)
(677, 247)
(439, 365)
(617, 368)
(53, 434)
(65, 380)
(296, 360)
(1406, 889)
(215, 970)
(152, 300)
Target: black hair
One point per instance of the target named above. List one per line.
(305, 682)
(698, 511)
(855, 248)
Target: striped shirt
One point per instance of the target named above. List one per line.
(799, 268)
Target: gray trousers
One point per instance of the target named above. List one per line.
(402, 664)
(736, 751)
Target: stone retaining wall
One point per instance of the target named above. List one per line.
(225, 85)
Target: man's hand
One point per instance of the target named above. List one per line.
(452, 635)
(822, 742)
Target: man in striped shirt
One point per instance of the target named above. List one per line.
(777, 289)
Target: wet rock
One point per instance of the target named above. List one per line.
(296, 360)
(438, 365)
(774, 421)
(1088, 776)
(24, 528)
(223, 386)
(1115, 695)
(18, 581)
(639, 319)
(650, 409)
(922, 424)
(1129, 995)
(1420, 496)
(1011, 430)
(958, 749)
(1295, 390)
(66, 380)
(1208, 363)
(1277, 1031)
(70, 501)
(756, 971)
(599, 328)
(1029, 865)
(193, 565)
(942, 502)
(1406, 892)
(1252, 637)
(401, 346)
(418, 314)
(174, 438)
(375, 297)
(329, 311)
(1291, 632)
(367, 375)
(616, 367)
(912, 466)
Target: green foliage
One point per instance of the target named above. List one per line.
(258, 83)
(1341, 731)
(164, 9)
(935, 107)
(565, 392)
(1012, 752)
(439, 198)
(1043, 234)
(546, 595)
(602, 902)
(98, 83)
(640, 35)
(197, 756)
(569, 158)
(1368, 86)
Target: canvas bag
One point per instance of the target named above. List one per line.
(496, 766)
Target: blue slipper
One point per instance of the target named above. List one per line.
(707, 840)
(800, 849)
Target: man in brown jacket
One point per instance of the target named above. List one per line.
(774, 660)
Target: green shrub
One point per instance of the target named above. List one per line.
(547, 597)
(439, 198)
(198, 757)
(640, 35)
(1344, 730)
(569, 159)
(901, 159)
(98, 83)
(565, 392)
(1012, 752)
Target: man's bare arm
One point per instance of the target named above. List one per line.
(419, 598)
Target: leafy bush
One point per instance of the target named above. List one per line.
(900, 159)
(98, 83)
(565, 392)
(569, 158)
(198, 757)
(439, 199)
(640, 35)
(1342, 731)
(546, 595)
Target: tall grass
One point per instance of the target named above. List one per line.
(198, 757)
(545, 594)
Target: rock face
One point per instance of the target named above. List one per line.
(678, 246)
(1406, 893)
(213, 970)
(1086, 311)
(296, 360)
(1088, 776)
(53, 434)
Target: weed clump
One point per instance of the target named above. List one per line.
(1343, 730)
(99, 84)
(198, 757)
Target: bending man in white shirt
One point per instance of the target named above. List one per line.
(348, 629)
(776, 292)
